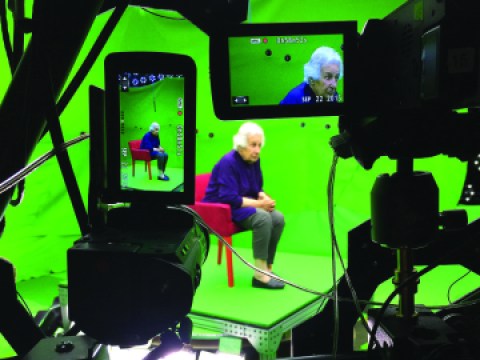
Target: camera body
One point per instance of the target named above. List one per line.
(422, 55)
(134, 276)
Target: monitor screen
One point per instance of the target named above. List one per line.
(282, 70)
(150, 127)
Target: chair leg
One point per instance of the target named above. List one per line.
(228, 254)
(133, 167)
(220, 252)
(149, 170)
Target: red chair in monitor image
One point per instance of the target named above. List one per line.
(140, 154)
(219, 217)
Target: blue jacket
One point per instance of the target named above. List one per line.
(149, 142)
(298, 95)
(232, 179)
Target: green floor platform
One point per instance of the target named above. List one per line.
(261, 316)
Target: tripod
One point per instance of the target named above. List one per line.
(405, 209)
(405, 217)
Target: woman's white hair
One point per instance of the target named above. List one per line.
(240, 139)
(320, 57)
(154, 126)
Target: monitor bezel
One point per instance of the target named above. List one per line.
(159, 62)
(220, 69)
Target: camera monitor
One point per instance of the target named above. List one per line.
(283, 70)
(150, 128)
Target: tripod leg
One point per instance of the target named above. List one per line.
(16, 325)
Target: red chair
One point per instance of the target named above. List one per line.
(219, 217)
(140, 154)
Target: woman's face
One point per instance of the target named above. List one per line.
(327, 84)
(251, 152)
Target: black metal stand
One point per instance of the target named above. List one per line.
(16, 324)
(405, 217)
(404, 231)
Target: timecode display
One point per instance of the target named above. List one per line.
(291, 40)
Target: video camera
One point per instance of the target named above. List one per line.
(402, 78)
(144, 257)
(416, 68)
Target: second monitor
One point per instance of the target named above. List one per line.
(283, 70)
(150, 127)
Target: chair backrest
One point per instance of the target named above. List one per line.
(134, 144)
(136, 152)
(201, 183)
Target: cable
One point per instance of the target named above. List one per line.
(407, 281)
(162, 16)
(472, 236)
(25, 305)
(394, 293)
(199, 220)
(455, 282)
(331, 219)
(20, 192)
(27, 170)
(27, 309)
(335, 248)
(451, 306)
(202, 223)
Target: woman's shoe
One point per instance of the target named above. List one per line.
(270, 284)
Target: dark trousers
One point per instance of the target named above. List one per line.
(162, 158)
(267, 228)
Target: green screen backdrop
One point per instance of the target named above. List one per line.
(296, 158)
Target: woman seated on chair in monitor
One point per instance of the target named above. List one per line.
(151, 142)
(237, 180)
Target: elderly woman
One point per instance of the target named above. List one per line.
(321, 74)
(237, 180)
(151, 142)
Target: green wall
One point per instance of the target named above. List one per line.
(296, 158)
